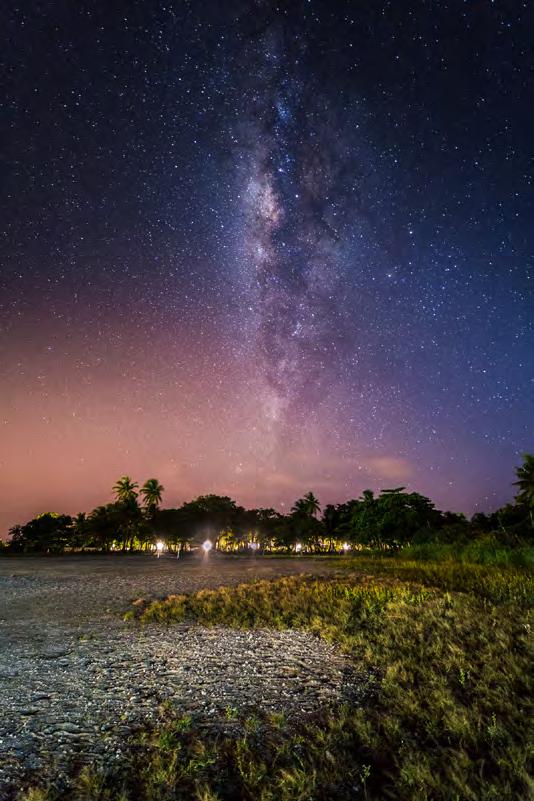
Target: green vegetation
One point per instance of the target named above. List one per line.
(484, 551)
(447, 650)
(491, 584)
(393, 520)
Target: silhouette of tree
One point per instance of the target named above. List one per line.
(525, 482)
(46, 533)
(125, 489)
(152, 492)
(308, 505)
(390, 520)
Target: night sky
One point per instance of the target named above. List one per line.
(257, 249)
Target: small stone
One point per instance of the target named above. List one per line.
(71, 728)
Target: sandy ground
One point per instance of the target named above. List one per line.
(75, 680)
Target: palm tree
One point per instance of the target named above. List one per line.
(125, 489)
(152, 491)
(525, 482)
(313, 506)
(307, 505)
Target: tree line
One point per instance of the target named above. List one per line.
(135, 521)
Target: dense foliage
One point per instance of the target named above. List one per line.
(389, 521)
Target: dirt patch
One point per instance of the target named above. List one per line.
(75, 681)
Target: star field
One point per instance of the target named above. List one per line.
(258, 248)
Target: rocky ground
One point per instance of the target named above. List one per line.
(75, 680)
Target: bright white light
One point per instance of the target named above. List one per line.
(346, 546)
(160, 546)
(253, 545)
(298, 547)
(208, 545)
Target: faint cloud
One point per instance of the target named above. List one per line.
(390, 467)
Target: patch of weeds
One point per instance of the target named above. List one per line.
(36, 794)
(184, 723)
(277, 720)
(89, 785)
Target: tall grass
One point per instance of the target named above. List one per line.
(484, 552)
(291, 602)
(493, 584)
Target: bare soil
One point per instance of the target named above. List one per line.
(76, 681)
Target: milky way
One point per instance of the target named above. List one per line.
(256, 250)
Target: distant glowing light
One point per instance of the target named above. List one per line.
(207, 546)
(346, 547)
(298, 547)
(159, 547)
(253, 545)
